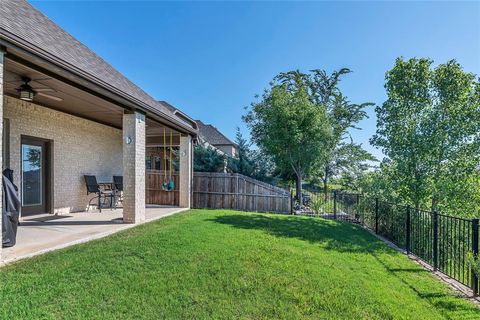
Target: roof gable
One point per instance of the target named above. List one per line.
(21, 20)
(212, 135)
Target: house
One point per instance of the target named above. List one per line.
(208, 135)
(66, 113)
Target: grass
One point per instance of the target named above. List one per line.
(225, 264)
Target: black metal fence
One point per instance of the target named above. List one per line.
(442, 241)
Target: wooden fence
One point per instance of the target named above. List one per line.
(153, 188)
(239, 192)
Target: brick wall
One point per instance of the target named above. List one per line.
(79, 147)
(134, 168)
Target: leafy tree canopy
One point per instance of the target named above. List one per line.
(289, 127)
(429, 130)
(207, 159)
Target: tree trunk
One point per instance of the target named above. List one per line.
(299, 189)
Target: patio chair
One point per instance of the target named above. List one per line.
(118, 189)
(94, 188)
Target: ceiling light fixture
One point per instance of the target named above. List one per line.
(26, 92)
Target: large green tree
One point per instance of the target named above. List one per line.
(429, 130)
(290, 128)
(343, 116)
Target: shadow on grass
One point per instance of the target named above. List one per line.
(346, 237)
(443, 301)
(331, 235)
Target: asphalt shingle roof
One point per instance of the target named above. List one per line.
(22, 20)
(212, 135)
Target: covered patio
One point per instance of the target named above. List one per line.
(65, 113)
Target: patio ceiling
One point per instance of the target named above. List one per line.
(67, 98)
(61, 96)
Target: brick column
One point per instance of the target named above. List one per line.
(1, 139)
(133, 167)
(186, 171)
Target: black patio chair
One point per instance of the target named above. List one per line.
(118, 189)
(94, 188)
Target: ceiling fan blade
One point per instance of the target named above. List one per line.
(44, 90)
(13, 81)
(49, 96)
(12, 86)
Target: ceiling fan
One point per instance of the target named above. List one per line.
(27, 93)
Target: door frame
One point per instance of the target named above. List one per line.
(48, 172)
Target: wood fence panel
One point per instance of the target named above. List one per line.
(239, 192)
(153, 188)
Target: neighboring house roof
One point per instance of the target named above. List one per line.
(22, 25)
(212, 135)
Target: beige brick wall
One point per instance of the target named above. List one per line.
(186, 171)
(79, 147)
(134, 168)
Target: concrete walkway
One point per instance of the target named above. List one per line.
(44, 233)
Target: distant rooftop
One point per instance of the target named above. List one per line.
(212, 135)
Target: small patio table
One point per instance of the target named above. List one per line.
(108, 186)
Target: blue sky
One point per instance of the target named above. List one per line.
(211, 58)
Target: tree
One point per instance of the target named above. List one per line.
(290, 128)
(243, 162)
(264, 167)
(349, 162)
(323, 91)
(343, 155)
(206, 159)
(429, 129)
(455, 124)
(251, 163)
(400, 125)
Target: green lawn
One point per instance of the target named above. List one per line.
(226, 264)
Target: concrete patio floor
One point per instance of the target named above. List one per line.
(43, 233)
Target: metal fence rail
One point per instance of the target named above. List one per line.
(440, 240)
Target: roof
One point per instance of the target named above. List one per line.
(22, 23)
(182, 116)
(212, 135)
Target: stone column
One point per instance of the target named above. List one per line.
(134, 167)
(1, 138)
(186, 171)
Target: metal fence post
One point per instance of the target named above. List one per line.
(334, 205)
(435, 240)
(291, 202)
(376, 215)
(407, 230)
(475, 254)
(357, 205)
